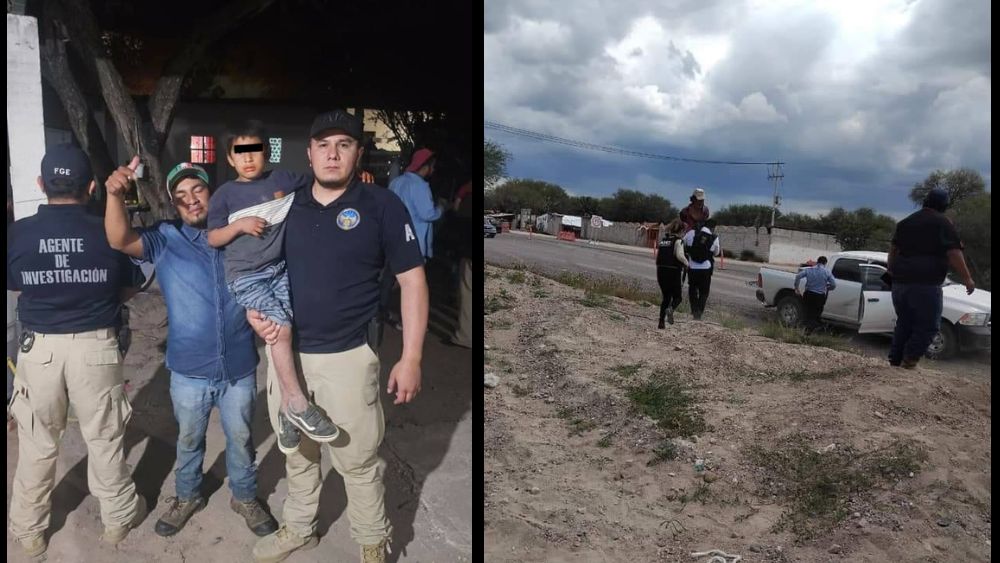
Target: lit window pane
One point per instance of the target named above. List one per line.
(275, 143)
(195, 143)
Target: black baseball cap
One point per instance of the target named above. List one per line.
(337, 119)
(68, 163)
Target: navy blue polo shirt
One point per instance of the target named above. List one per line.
(335, 254)
(69, 278)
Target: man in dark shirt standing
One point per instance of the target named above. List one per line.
(340, 234)
(923, 246)
(72, 285)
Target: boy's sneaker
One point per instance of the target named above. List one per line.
(177, 515)
(288, 435)
(314, 424)
(279, 545)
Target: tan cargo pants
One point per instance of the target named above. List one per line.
(83, 370)
(463, 332)
(345, 385)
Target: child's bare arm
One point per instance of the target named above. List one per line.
(222, 236)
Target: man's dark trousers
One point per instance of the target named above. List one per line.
(813, 303)
(699, 282)
(918, 319)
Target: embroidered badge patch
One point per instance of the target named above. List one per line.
(348, 219)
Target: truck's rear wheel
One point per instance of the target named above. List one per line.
(945, 343)
(790, 310)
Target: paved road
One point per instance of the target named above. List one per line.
(729, 287)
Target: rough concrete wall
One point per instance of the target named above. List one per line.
(25, 124)
(552, 225)
(619, 233)
(794, 247)
(739, 239)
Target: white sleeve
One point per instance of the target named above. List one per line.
(679, 253)
(716, 247)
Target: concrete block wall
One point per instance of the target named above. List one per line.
(795, 247)
(739, 239)
(618, 233)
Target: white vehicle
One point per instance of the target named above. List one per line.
(862, 301)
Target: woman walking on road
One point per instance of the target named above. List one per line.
(670, 263)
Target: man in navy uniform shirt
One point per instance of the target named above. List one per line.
(340, 233)
(71, 287)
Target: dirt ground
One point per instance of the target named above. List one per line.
(428, 448)
(553, 493)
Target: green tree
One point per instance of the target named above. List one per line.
(861, 229)
(745, 215)
(960, 184)
(515, 195)
(798, 221)
(495, 160)
(635, 206)
(972, 220)
(583, 205)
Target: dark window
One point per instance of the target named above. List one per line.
(873, 279)
(847, 270)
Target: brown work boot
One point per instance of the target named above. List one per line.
(178, 513)
(256, 516)
(114, 535)
(33, 546)
(375, 553)
(279, 545)
(910, 363)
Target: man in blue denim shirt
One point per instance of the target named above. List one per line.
(819, 282)
(210, 347)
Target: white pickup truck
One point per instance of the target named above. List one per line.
(863, 302)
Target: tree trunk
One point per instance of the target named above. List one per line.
(149, 142)
(55, 70)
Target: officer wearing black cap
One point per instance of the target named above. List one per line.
(71, 286)
(923, 246)
(340, 234)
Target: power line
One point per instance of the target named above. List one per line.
(608, 149)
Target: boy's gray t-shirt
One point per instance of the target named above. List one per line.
(268, 197)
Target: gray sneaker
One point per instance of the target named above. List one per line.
(177, 515)
(314, 424)
(288, 435)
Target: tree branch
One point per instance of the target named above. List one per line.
(164, 99)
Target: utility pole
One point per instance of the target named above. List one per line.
(775, 174)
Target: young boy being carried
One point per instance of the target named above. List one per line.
(247, 217)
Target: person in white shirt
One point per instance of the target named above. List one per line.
(702, 248)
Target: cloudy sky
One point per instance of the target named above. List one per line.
(860, 98)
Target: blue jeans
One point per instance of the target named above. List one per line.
(193, 399)
(918, 319)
